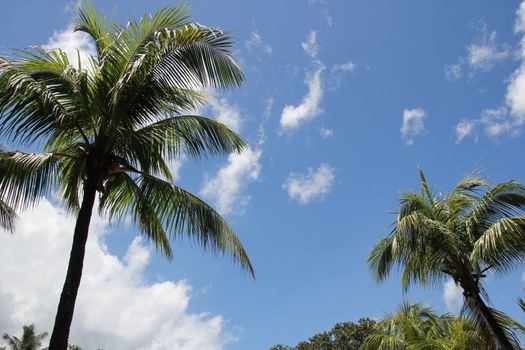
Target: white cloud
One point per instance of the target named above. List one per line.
(293, 116)
(256, 42)
(516, 89)
(453, 71)
(345, 67)
(413, 124)
(327, 17)
(266, 114)
(72, 43)
(326, 133)
(315, 184)
(226, 189)
(453, 296)
(117, 308)
(482, 55)
(225, 112)
(463, 129)
(485, 53)
(175, 165)
(519, 26)
(310, 45)
(324, 10)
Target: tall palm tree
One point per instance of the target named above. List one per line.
(462, 235)
(416, 327)
(29, 341)
(109, 127)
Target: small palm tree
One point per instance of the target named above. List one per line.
(29, 341)
(416, 327)
(109, 128)
(461, 235)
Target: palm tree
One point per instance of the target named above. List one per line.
(461, 235)
(29, 341)
(416, 327)
(109, 128)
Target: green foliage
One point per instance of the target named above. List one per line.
(110, 125)
(460, 235)
(29, 340)
(118, 119)
(344, 336)
(416, 327)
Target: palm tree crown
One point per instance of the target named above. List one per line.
(29, 341)
(461, 235)
(416, 327)
(110, 125)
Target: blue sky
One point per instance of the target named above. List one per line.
(343, 100)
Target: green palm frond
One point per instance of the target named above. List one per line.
(165, 206)
(501, 245)
(459, 235)
(7, 216)
(27, 177)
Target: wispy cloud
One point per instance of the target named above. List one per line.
(315, 184)
(266, 114)
(463, 129)
(413, 124)
(293, 116)
(324, 10)
(224, 111)
(226, 189)
(326, 133)
(117, 307)
(481, 56)
(508, 119)
(345, 67)
(485, 53)
(256, 43)
(454, 71)
(310, 46)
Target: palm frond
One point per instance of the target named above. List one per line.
(7, 216)
(501, 246)
(178, 212)
(87, 20)
(27, 177)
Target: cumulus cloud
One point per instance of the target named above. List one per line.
(413, 124)
(226, 189)
(117, 308)
(73, 44)
(256, 43)
(453, 296)
(225, 112)
(516, 89)
(315, 184)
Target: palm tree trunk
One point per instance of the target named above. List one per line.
(66, 306)
(475, 302)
